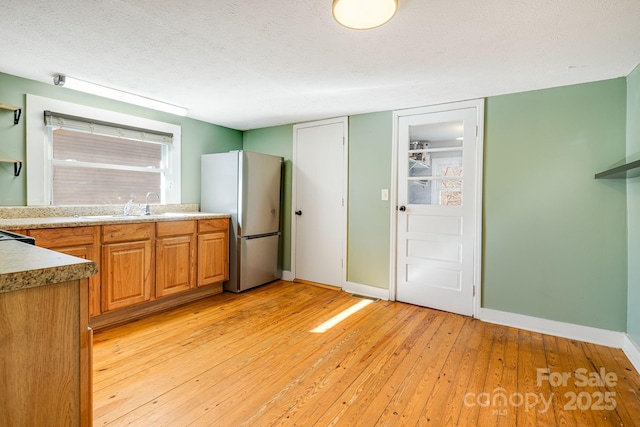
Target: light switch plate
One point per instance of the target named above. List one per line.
(384, 194)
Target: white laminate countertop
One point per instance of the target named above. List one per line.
(25, 266)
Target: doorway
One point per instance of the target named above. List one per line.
(319, 194)
(438, 217)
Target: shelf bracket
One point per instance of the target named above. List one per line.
(17, 167)
(17, 112)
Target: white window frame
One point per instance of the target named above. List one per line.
(39, 152)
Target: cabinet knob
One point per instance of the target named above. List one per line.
(298, 213)
(402, 208)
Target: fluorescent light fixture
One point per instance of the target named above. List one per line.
(118, 95)
(364, 14)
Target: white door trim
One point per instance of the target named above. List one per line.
(478, 104)
(345, 185)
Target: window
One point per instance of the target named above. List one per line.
(89, 156)
(435, 173)
(99, 163)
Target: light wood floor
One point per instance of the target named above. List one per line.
(251, 359)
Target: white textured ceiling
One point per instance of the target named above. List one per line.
(254, 63)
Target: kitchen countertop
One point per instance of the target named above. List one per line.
(88, 220)
(25, 266)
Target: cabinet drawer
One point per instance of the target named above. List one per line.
(114, 233)
(209, 225)
(62, 237)
(175, 228)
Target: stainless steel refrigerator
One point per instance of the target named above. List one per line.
(247, 186)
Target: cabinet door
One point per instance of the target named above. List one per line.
(174, 265)
(81, 242)
(213, 258)
(45, 352)
(89, 253)
(127, 277)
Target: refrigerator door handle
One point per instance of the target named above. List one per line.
(258, 236)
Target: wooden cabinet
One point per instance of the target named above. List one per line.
(175, 257)
(81, 242)
(46, 356)
(145, 267)
(213, 251)
(127, 267)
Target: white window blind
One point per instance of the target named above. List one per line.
(81, 124)
(96, 162)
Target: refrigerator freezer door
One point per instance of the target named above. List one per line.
(258, 261)
(259, 210)
(219, 184)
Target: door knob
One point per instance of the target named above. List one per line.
(402, 208)
(298, 213)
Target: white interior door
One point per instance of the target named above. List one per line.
(319, 219)
(438, 209)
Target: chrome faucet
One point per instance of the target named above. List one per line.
(147, 209)
(127, 207)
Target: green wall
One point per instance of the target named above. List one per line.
(369, 172)
(554, 241)
(633, 206)
(368, 246)
(278, 141)
(554, 237)
(197, 137)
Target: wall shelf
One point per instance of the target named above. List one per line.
(628, 170)
(17, 165)
(17, 111)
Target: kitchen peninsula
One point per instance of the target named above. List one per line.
(45, 339)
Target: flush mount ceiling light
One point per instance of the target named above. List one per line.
(364, 14)
(118, 95)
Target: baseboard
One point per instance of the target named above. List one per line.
(552, 327)
(632, 350)
(287, 276)
(137, 311)
(366, 290)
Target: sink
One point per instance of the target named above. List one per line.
(96, 216)
(175, 214)
(108, 216)
(136, 216)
